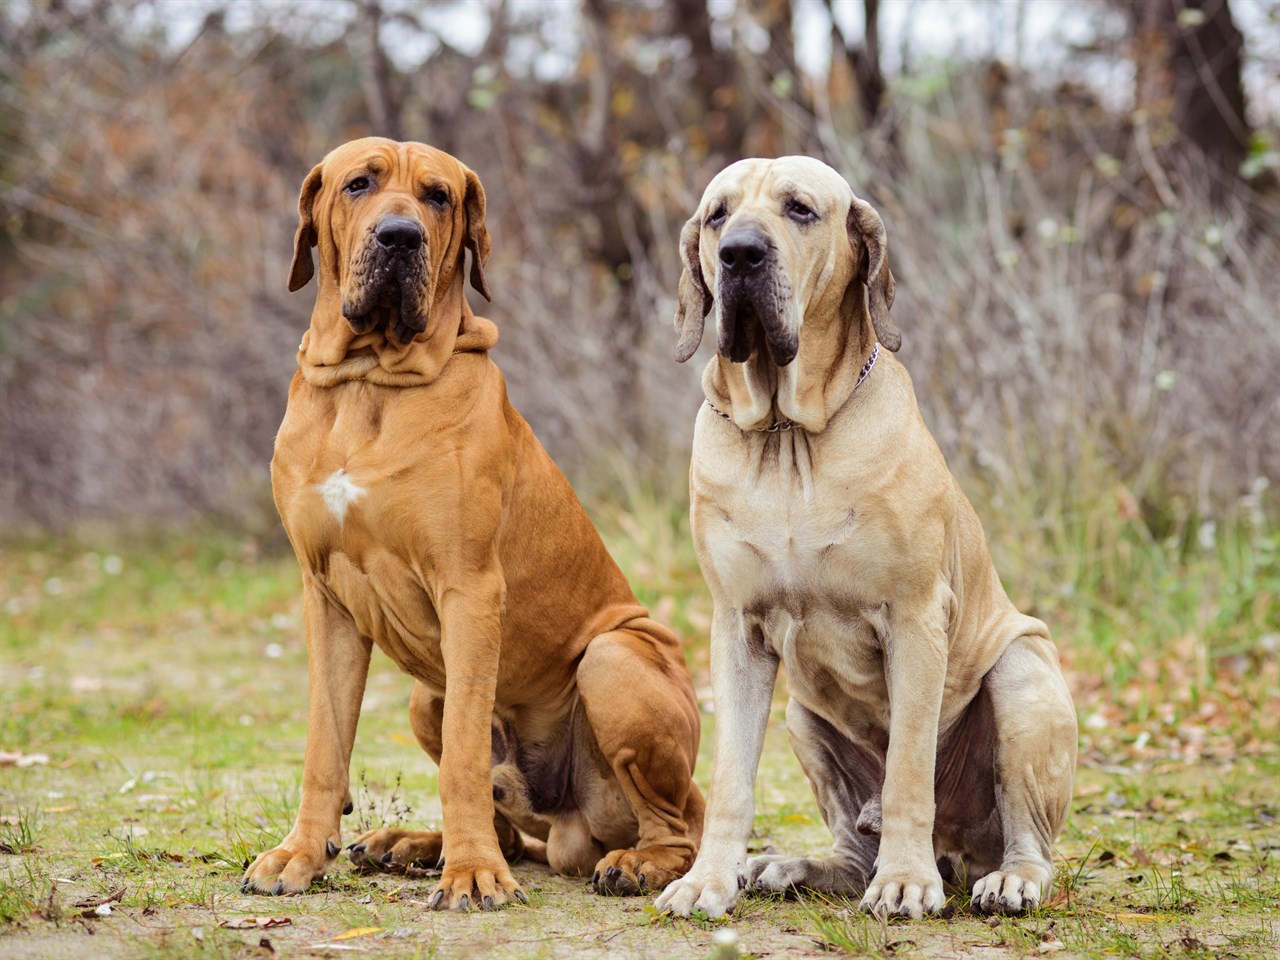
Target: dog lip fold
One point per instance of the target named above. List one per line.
(736, 319)
(742, 321)
(782, 353)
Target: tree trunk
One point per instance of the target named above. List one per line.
(864, 59)
(1188, 56)
(376, 76)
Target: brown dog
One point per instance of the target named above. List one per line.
(428, 519)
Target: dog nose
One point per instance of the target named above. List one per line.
(744, 251)
(398, 233)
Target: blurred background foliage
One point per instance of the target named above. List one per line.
(1085, 232)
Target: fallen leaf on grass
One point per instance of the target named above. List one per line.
(1135, 917)
(255, 923)
(16, 758)
(99, 906)
(358, 932)
(48, 908)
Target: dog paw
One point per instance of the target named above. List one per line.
(700, 890)
(775, 873)
(482, 886)
(288, 869)
(628, 873)
(904, 893)
(1005, 892)
(396, 851)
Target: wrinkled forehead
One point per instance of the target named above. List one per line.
(378, 156)
(771, 179)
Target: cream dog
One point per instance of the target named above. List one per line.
(930, 716)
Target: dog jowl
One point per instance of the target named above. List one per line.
(390, 276)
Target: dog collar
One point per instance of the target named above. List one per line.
(780, 425)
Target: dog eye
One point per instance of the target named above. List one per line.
(798, 212)
(717, 217)
(357, 185)
(437, 197)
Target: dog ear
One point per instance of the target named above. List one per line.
(303, 268)
(693, 299)
(477, 237)
(871, 247)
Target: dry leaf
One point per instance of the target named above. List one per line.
(358, 932)
(99, 906)
(255, 923)
(1136, 917)
(16, 758)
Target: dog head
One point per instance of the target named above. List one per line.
(390, 222)
(775, 241)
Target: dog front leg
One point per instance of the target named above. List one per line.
(338, 665)
(743, 673)
(906, 881)
(475, 871)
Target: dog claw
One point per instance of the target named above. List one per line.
(278, 888)
(436, 900)
(440, 862)
(348, 808)
(520, 895)
(612, 874)
(465, 903)
(357, 848)
(595, 880)
(331, 848)
(487, 904)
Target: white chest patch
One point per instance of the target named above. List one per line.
(339, 492)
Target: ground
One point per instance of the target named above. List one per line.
(152, 717)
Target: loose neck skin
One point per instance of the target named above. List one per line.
(836, 340)
(331, 352)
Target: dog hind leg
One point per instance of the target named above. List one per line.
(1034, 768)
(639, 702)
(846, 779)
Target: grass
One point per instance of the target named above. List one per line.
(164, 684)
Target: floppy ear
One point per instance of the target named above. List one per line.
(477, 237)
(871, 247)
(303, 268)
(693, 299)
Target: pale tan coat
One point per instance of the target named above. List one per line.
(929, 714)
